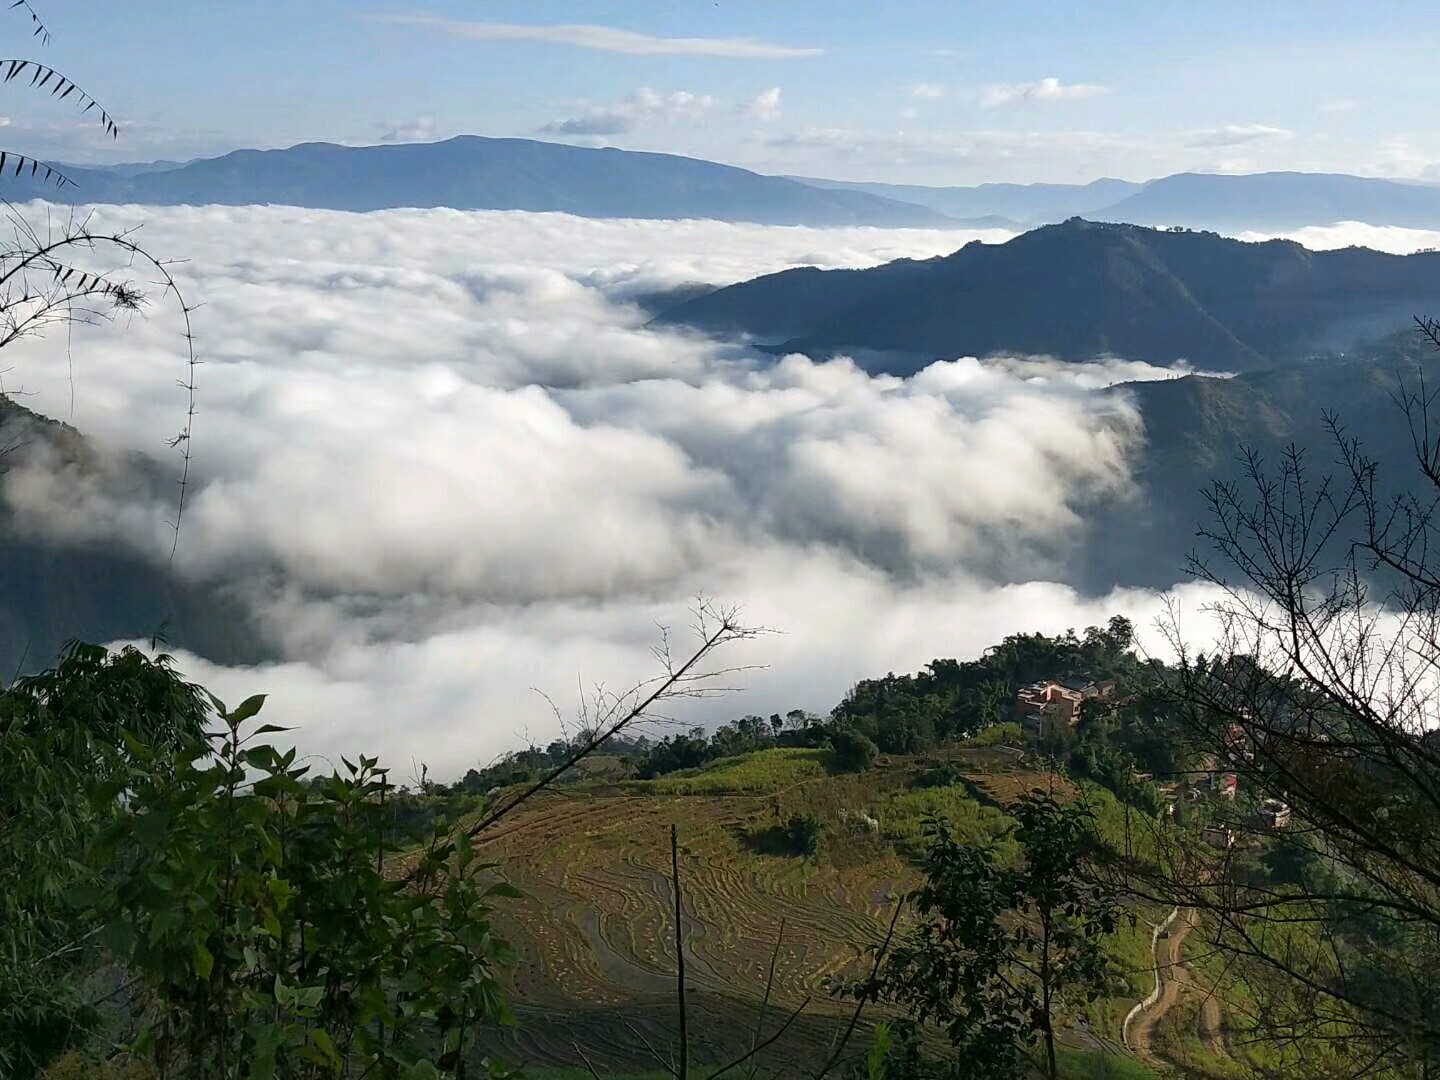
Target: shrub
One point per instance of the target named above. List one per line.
(67, 736)
(798, 835)
(802, 835)
(853, 751)
(266, 937)
(939, 776)
(675, 753)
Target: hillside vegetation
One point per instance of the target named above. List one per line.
(594, 924)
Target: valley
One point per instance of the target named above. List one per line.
(719, 542)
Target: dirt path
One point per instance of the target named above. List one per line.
(1211, 1034)
(1170, 979)
(1174, 981)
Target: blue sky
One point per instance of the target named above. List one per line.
(915, 92)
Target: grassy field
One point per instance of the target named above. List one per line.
(766, 771)
(595, 931)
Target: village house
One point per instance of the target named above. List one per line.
(1274, 814)
(1046, 704)
(1058, 701)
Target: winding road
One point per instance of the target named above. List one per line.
(1172, 982)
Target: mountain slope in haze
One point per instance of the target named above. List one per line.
(1261, 202)
(1081, 290)
(470, 172)
(1275, 201)
(999, 205)
(1197, 429)
(53, 592)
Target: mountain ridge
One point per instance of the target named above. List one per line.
(1249, 202)
(1276, 200)
(473, 172)
(1003, 205)
(1083, 290)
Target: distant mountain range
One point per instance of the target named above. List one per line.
(1081, 290)
(1262, 202)
(1278, 200)
(1009, 206)
(471, 172)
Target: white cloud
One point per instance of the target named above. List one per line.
(986, 151)
(1402, 155)
(1042, 90)
(1095, 375)
(463, 693)
(604, 38)
(927, 90)
(419, 129)
(1237, 135)
(1391, 238)
(644, 108)
(445, 459)
(764, 105)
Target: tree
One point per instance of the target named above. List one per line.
(265, 935)
(853, 751)
(1000, 950)
(1320, 693)
(802, 835)
(251, 920)
(65, 734)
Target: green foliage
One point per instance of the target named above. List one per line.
(907, 817)
(675, 753)
(1000, 949)
(257, 914)
(1007, 734)
(942, 775)
(254, 918)
(1113, 767)
(875, 1057)
(64, 736)
(953, 699)
(798, 835)
(1097, 1065)
(802, 835)
(764, 770)
(853, 751)
(746, 735)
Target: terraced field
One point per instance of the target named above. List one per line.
(595, 929)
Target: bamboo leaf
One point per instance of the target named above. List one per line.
(248, 708)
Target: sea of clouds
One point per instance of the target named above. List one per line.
(448, 463)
